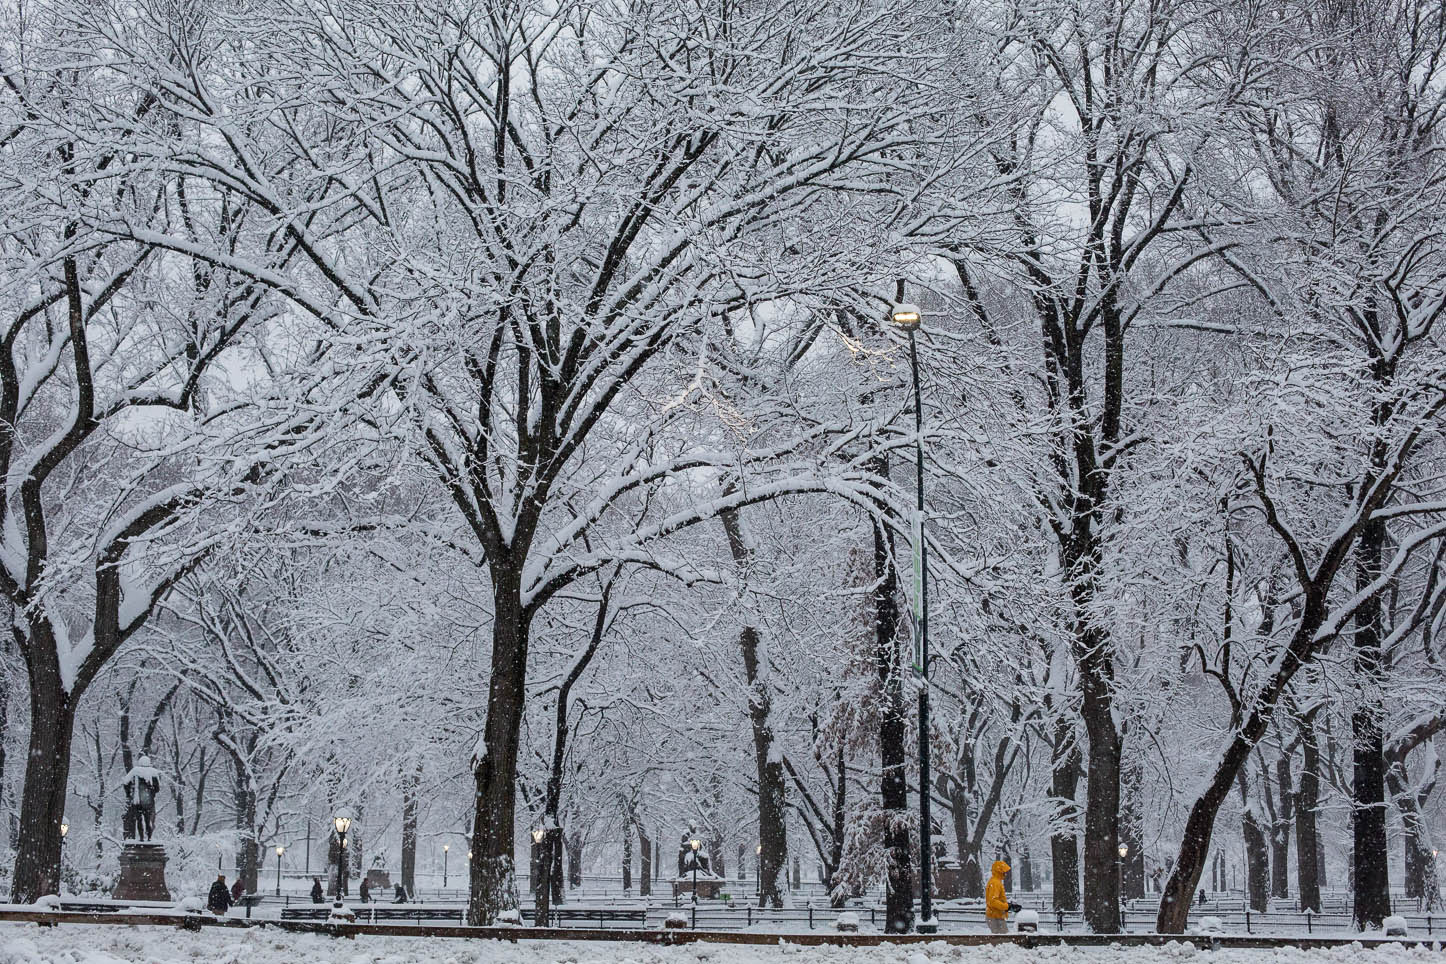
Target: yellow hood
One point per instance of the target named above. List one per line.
(999, 869)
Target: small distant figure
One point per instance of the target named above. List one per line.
(218, 901)
(1202, 896)
(364, 892)
(996, 902)
(317, 897)
(401, 895)
(237, 889)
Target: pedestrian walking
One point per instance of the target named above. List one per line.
(218, 901)
(364, 892)
(996, 902)
(317, 896)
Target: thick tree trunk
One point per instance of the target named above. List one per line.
(893, 739)
(1102, 784)
(958, 796)
(1257, 868)
(47, 771)
(627, 855)
(1306, 802)
(767, 759)
(410, 781)
(1132, 886)
(1063, 842)
(1280, 829)
(1416, 851)
(837, 893)
(1368, 775)
(645, 864)
(243, 802)
(493, 868)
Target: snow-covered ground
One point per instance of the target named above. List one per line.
(80, 944)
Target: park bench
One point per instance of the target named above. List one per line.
(369, 913)
(89, 907)
(592, 915)
(379, 913)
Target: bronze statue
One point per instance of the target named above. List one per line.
(144, 782)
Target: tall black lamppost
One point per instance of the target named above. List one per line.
(908, 317)
(445, 848)
(279, 852)
(342, 823)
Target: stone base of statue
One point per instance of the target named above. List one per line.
(709, 887)
(948, 880)
(142, 872)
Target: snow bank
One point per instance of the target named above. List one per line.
(82, 944)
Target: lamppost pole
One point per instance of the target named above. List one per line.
(908, 318)
(1124, 852)
(758, 871)
(695, 844)
(342, 822)
(445, 848)
(279, 852)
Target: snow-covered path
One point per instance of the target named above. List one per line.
(27, 944)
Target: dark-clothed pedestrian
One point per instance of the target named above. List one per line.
(401, 895)
(364, 892)
(1202, 896)
(237, 889)
(317, 896)
(218, 901)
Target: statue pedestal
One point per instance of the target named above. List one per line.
(142, 872)
(709, 887)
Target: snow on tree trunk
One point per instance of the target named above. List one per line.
(891, 664)
(42, 799)
(493, 871)
(767, 757)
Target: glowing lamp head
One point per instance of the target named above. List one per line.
(695, 843)
(64, 828)
(537, 835)
(906, 316)
(280, 851)
(469, 855)
(446, 847)
(342, 821)
(1124, 850)
(758, 849)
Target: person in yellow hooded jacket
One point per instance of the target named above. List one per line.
(996, 901)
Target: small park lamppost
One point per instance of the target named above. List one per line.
(279, 852)
(342, 823)
(445, 848)
(695, 844)
(758, 871)
(1124, 852)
